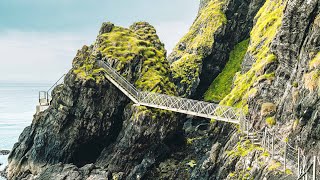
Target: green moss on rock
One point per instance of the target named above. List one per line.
(268, 20)
(197, 43)
(315, 62)
(124, 45)
(187, 69)
(222, 85)
(271, 121)
(200, 36)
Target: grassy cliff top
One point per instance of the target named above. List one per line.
(197, 43)
(125, 45)
(200, 38)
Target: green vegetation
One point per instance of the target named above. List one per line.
(187, 69)
(268, 20)
(274, 165)
(295, 124)
(192, 163)
(315, 62)
(243, 149)
(312, 80)
(241, 175)
(222, 85)
(200, 36)
(288, 172)
(190, 140)
(271, 121)
(198, 43)
(125, 45)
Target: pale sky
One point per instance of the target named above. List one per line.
(39, 38)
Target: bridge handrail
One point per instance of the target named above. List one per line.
(184, 105)
(120, 79)
(53, 86)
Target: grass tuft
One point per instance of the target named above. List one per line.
(222, 85)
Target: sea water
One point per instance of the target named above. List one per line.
(17, 106)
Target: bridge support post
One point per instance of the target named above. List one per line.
(285, 157)
(264, 142)
(272, 146)
(298, 162)
(314, 168)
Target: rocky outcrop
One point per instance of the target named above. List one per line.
(92, 131)
(202, 53)
(91, 121)
(277, 80)
(275, 85)
(4, 152)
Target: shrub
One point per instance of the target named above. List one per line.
(271, 121)
(274, 165)
(295, 84)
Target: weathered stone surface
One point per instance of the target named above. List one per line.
(90, 121)
(4, 152)
(92, 131)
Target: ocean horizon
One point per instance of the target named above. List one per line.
(18, 102)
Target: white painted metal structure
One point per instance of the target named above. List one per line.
(45, 96)
(173, 103)
(277, 147)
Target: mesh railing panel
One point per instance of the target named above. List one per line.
(278, 148)
(184, 105)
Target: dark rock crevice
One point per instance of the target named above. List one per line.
(240, 15)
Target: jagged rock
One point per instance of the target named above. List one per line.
(106, 28)
(92, 131)
(90, 120)
(208, 52)
(4, 152)
(68, 171)
(3, 173)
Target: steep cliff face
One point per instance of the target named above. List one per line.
(261, 55)
(202, 53)
(278, 85)
(90, 121)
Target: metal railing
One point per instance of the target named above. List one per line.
(173, 103)
(54, 85)
(125, 86)
(278, 148)
(45, 96)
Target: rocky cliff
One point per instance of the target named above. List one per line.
(259, 55)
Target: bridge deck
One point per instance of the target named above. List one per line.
(173, 103)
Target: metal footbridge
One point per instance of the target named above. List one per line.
(173, 103)
(281, 151)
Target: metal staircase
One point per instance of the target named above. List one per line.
(45, 96)
(278, 149)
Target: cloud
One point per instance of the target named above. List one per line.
(45, 56)
(33, 56)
